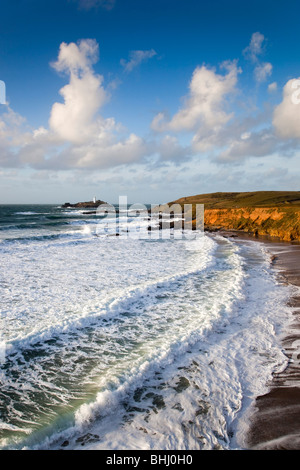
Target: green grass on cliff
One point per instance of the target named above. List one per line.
(244, 199)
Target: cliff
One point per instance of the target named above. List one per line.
(281, 223)
(272, 213)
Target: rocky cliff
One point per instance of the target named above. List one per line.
(272, 213)
(283, 223)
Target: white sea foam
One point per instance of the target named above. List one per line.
(26, 213)
(143, 343)
(235, 362)
(86, 282)
(75, 212)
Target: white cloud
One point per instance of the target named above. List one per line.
(93, 138)
(286, 118)
(105, 154)
(253, 52)
(255, 144)
(272, 87)
(204, 104)
(263, 71)
(246, 135)
(204, 109)
(78, 135)
(255, 47)
(73, 120)
(136, 58)
(14, 130)
(74, 58)
(13, 133)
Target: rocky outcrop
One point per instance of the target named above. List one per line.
(84, 205)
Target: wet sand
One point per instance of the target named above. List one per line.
(275, 422)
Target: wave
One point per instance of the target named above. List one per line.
(241, 354)
(74, 212)
(74, 235)
(27, 213)
(114, 305)
(147, 310)
(150, 318)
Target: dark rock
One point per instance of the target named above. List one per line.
(84, 205)
(182, 384)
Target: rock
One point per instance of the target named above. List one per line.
(85, 205)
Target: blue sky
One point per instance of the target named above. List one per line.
(153, 100)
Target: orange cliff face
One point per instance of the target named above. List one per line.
(283, 223)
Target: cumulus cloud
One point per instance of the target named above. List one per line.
(204, 104)
(136, 58)
(103, 154)
(74, 58)
(203, 112)
(94, 139)
(286, 118)
(78, 135)
(84, 95)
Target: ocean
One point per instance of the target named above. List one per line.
(131, 343)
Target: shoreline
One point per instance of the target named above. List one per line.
(274, 421)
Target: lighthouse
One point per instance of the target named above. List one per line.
(94, 199)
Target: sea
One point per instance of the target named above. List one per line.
(132, 342)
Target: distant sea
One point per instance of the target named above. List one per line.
(127, 343)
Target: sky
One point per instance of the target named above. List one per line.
(154, 100)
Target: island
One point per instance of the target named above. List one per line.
(84, 205)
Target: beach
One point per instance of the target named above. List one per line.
(275, 421)
(276, 424)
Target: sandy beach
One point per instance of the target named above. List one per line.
(275, 423)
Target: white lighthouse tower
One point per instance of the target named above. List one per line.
(94, 199)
